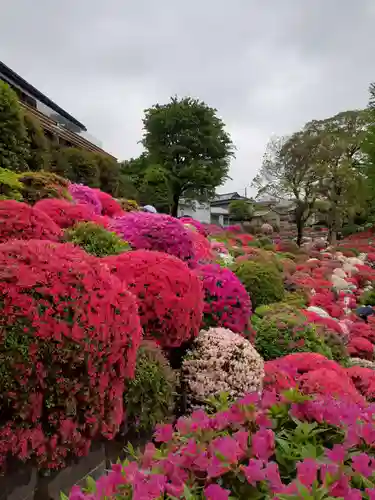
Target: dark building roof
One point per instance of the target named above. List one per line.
(23, 84)
(224, 198)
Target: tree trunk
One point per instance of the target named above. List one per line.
(299, 232)
(175, 202)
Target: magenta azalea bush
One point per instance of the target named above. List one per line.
(287, 447)
(84, 194)
(157, 232)
(226, 302)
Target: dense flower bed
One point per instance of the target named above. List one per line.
(67, 214)
(69, 334)
(86, 195)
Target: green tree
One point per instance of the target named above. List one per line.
(289, 172)
(77, 165)
(109, 173)
(39, 157)
(14, 146)
(241, 210)
(188, 140)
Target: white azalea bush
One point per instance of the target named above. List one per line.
(221, 362)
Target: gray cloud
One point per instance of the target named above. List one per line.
(268, 67)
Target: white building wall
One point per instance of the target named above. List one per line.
(201, 212)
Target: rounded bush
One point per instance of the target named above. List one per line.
(10, 186)
(170, 295)
(110, 207)
(96, 240)
(226, 301)
(21, 221)
(221, 361)
(66, 214)
(149, 397)
(40, 185)
(128, 205)
(283, 333)
(201, 228)
(156, 232)
(263, 282)
(69, 337)
(86, 195)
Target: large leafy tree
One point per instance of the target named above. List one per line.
(289, 172)
(39, 149)
(187, 139)
(77, 165)
(14, 144)
(241, 210)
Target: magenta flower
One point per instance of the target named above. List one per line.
(307, 471)
(163, 433)
(254, 472)
(273, 476)
(263, 443)
(337, 454)
(227, 449)
(216, 492)
(363, 464)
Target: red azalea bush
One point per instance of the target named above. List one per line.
(69, 338)
(201, 228)
(158, 232)
(226, 301)
(169, 294)
(67, 214)
(364, 380)
(86, 195)
(110, 207)
(290, 447)
(203, 252)
(21, 221)
(360, 347)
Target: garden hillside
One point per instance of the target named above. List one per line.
(223, 362)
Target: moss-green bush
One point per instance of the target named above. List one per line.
(149, 397)
(336, 344)
(40, 185)
(275, 308)
(284, 333)
(263, 282)
(10, 186)
(297, 299)
(128, 205)
(368, 298)
(96, 240)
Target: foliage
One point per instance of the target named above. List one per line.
(40, 185)
(149, 397)
(368, 298)
(187, 143)
(69, 337)
(20, 221)
(241, 210)
(221, 361)
(14, 144)
(10, 186)
(226, 301)
(96, 240)
(77, 165)
(284, 332)
(128, 205)
(290, 447)
(39, 156)
(170, 296)
(157, 232)
(110, 207)
(263, 282)
(66, 214)
(109, 174)
(84, 194)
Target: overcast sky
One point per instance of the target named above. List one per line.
(268, 66)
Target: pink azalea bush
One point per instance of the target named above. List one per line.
(86, 195)
(274, 447)
(157, 232)
(226, 302)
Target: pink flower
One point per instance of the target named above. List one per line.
(363, 464)
(307, 471)
(216, 492)
(254, 472)
(163, 433)
(227, 449)
(337, 454)
(273, 476)
(263, 443)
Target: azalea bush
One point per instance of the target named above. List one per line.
(282, 333)
(170, 295)
(263, 282)
(69, 336)
(221, 361)
(40, 185)
(149, 398)
(226, 301)
(96, 240)
(21, 221)
(201, 228)
(289, 447)
(67, 214)
(110, 206)
(157, 232)
(86, 195)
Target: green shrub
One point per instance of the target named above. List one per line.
(284, 333)
(10, 186)
(39, 155)
(40, 185)
(297, 299)
(149, 397)
(368, 298)
(96, 240)
(285, 255)
(128, 205)
(264, 241)
(336, 344)
(263, 282)
(276, 308)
